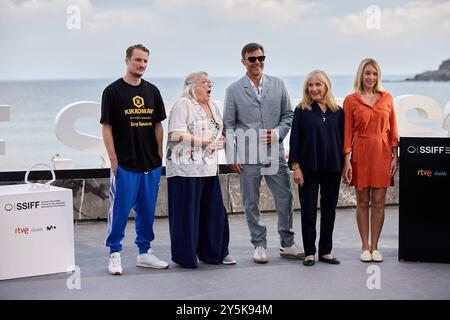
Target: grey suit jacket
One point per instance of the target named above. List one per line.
(243, 109)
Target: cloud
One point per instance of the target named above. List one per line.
(412, 21)
(168, 14)
(270, 13)
(188, 35)
(109, 20)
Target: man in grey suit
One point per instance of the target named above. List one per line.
(257, 108)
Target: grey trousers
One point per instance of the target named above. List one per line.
(280, 187)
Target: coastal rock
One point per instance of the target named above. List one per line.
(442, 74)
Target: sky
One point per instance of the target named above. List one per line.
(75, 39)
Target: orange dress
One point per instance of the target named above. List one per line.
(370, 133)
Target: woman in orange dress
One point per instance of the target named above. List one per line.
(370, 148)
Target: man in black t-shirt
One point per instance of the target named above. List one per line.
(132, 112)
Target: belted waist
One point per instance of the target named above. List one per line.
(372, 135)
(383, 136)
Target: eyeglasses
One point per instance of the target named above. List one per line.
(253, 59)
(203, 82)
(207, 83)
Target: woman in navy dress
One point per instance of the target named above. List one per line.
(315, 156)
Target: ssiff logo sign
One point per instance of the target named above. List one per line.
(428, 149)
(21, 206)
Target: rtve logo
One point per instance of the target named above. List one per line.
(429, 173)
(28, 230)
(429, 149)
(423, 172)
(22, 230)
(138, 101)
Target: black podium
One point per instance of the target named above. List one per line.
(424, 204)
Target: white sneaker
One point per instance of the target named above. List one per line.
(292, 252)
(229, 260)
(149, 260)
(115, 265)
(260, 255)
(365, 256)
(377, 256)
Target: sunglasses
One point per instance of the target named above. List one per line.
(253, 59)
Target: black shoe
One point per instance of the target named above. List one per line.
(330, 261)
(308, 263)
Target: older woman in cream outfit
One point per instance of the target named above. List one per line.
(197, 217)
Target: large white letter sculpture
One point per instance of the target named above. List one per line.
(4, 116)
(446, 123)
(66, 133)
(427, 107)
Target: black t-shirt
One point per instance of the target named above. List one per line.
(133, 111)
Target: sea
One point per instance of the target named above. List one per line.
(29, 133)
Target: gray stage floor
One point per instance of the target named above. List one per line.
(279, 279)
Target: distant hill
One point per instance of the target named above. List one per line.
(443, 74)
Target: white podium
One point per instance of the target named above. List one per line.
(36, 230)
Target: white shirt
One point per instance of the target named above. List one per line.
(186, 160)
(257, 89)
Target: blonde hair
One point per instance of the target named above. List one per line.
(358, 85)
(306, 101)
